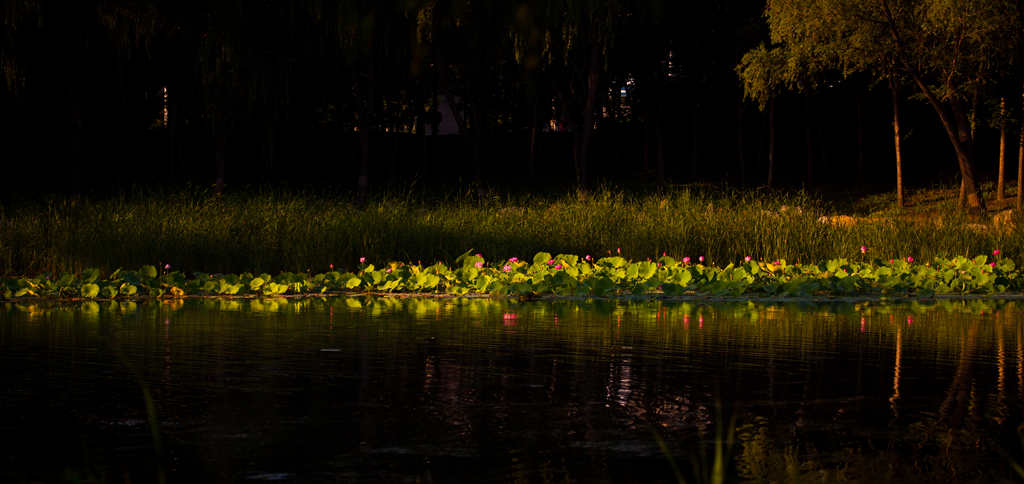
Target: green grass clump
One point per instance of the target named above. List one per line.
(289, 231)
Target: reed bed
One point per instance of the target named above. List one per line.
(273, 230)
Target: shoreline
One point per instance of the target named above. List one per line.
(696, 297)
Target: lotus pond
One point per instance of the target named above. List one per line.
(559, 275)
(386, 389)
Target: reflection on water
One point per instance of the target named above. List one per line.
(390, 389)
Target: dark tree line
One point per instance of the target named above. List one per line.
(361, 93)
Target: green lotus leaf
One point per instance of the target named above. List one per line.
(90, 290)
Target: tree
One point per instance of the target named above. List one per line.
(946, 48)
(766, 75)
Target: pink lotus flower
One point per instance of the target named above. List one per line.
(388, 271)
(701, 258)
(910, 259)
(362, 260)
(995, 252)
(863, 249)
(686, 260)
(167, 267)
(746, 259)
(558, 267)
(479, 254)
(331, 266)
(775, 263)
(550, 261)
(891, 261)
(514, 260)
(663, 253)
(507, 268)
(587, 257)
(618, 250)
(991, 264)
(479, 264)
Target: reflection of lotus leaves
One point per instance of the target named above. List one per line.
(91, 310)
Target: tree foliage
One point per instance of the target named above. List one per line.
(948, 48)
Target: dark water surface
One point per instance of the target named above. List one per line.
(421, 390)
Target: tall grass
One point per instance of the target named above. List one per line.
(275, 230)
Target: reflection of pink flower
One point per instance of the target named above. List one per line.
(507, 268)
(746, 259)
(479, 264)
(686, 260)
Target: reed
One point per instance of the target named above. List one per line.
(273, 230)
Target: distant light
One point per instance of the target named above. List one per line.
(622, 92)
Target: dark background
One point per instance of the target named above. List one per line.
(278, 89)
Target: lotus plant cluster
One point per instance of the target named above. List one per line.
(557, 275)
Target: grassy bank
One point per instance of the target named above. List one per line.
(274, 231)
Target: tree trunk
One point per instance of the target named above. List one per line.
(972, 123)
(589, 107)
(1000, 188)
(954, 121)
(363, 182)
(659, 152)
(965, 156)
(771, 142)
(172, 138)
(365, 125)
(478, 139)
(740, 159)
(896, 141)
(1020, 163)
(860, 140)
(269, 144)
(219, 146)
(809, 142)
(695, 134)
(531, 159)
